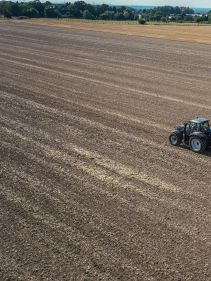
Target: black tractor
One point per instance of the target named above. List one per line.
(196, 134)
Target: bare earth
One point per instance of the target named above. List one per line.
(186, 33)
(90, 189)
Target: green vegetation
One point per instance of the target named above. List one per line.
(175, 14)
(79, 9)
(83, 10)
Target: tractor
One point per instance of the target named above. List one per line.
(195, 134)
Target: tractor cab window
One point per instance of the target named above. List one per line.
(194, 126)
(205, 126)
(187, 127)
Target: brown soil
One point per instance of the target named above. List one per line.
(187, 33)
(90, 189)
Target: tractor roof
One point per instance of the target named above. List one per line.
(199, 120)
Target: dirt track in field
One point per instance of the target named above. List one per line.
(90, 189)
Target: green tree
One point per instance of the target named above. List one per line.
(186, 10)
(179, 18)
(199, 19)
(31, 12)
(38, 6)
(128, 15)
(209, 17)
(9, 9)
(141, 21)
(107, 15)
(119, 16)
(163, 19)
(88, 15)
(74, 11)
(100, 9)
(51, 12)
(7, 14)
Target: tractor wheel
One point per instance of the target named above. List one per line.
(174, 139)
(198, 145)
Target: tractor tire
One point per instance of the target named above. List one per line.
(197, 145)
(174, 139)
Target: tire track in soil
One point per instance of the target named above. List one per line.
(112, 85)
(101, 162)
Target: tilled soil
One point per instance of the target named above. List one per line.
(199, 33)
(90, 189)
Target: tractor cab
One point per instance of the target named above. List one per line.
(197, 125)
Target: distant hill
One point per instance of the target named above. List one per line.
(202, 10)
(143, 7)
(197, 10)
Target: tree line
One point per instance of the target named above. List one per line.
(83, 10)
(177, 14)
(78, 9)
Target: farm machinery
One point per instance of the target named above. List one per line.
(196, 134)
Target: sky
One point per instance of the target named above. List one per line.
(186, 3)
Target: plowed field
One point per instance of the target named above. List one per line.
(90, 189)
